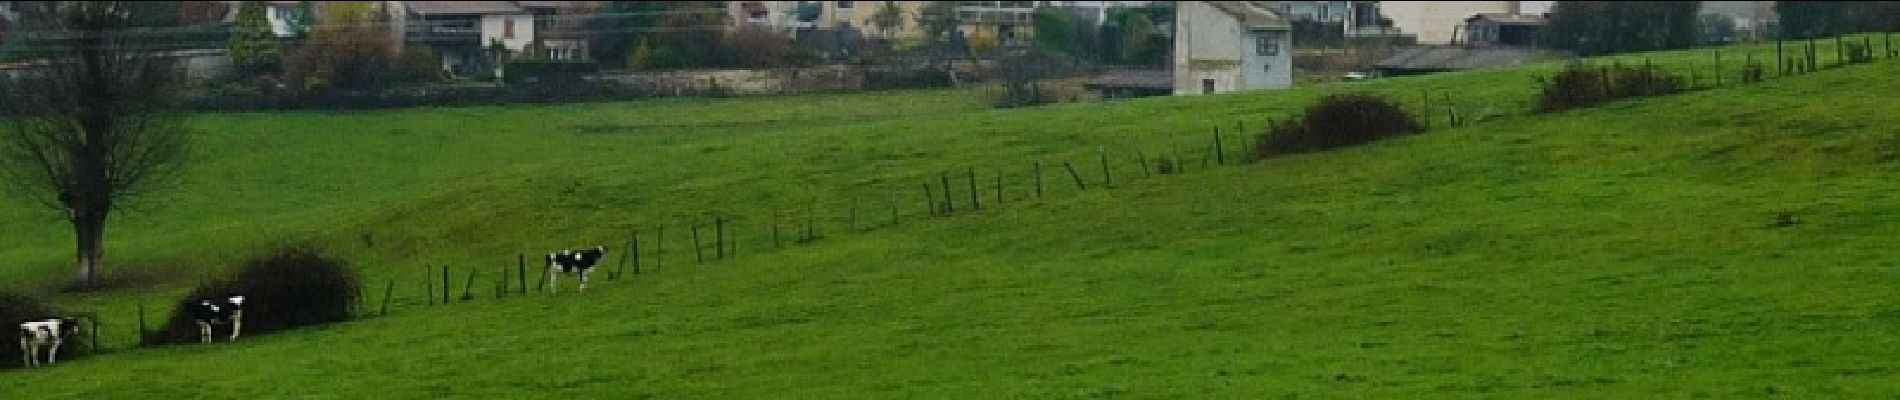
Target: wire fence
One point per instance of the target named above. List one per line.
(721, 235)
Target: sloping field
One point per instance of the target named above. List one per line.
(1627, 251)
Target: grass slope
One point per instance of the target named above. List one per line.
(1614, 252)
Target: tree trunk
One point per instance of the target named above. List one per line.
(89, 231)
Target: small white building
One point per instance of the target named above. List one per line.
(1224, 46)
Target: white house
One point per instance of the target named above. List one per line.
(463, 31)
(1223, 46)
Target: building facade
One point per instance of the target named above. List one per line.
(1224, 46)
(1439, 22)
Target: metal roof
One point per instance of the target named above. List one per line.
(463, 7)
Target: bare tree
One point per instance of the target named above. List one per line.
(91, 124)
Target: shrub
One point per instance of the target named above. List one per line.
(16, 308)
(1337, 121)
(1859, 53)
(356, 57)
(1752, 72)
(1581, 85)
(290, 288)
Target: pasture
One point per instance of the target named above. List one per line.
(1625, 251)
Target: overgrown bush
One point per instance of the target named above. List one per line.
(1337, 121)
(1582, 85)
(290, 288)
(16, 308)
(1752, 72)
(356, 57)
(1859, 53)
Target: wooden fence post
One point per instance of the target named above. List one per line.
(1141, 160)
(999, 187)
(428, 287)
(976, 204)
(1220, 151)
(1812, 59)
(930, 199)
(468, 289)
(521, 271)
(1840, 56)
(948, 207)
(1072, 174)
(719, 238)
(1781, 66)
(1427, 94)
(541, 284)
(699, 254)
(633, 250)
(1038, 179)
(445, 285)
(1108, 177)
(1718, 68)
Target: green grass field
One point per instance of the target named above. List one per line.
(1618, 252)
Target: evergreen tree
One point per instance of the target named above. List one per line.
(254, 48)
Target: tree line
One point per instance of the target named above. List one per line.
(1608, 27)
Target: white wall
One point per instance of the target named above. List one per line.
(493, 26)
(1435, 21)
(1209, 44)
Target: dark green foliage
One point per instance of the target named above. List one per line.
(1132, 37)
(16, 308)
(1336, 121)
(253, 47)
(1606, 27)
(1056, 30)
(1817, 19)
(1582, 85)
(290, 288)
(1811, 19)
(1859, 53)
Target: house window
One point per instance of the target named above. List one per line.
(846, 4)
(1207, 86)
(1267, 45)
(508, 28)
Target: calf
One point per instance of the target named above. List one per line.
(208, 313)
(579, 263)
(45, 334)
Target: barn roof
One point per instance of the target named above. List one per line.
(1445, 58)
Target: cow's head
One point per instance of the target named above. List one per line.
(68, 326)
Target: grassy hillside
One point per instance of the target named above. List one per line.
(1624, 251)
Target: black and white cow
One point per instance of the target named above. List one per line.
(577, 262)
(209, 312)
(45, 334)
